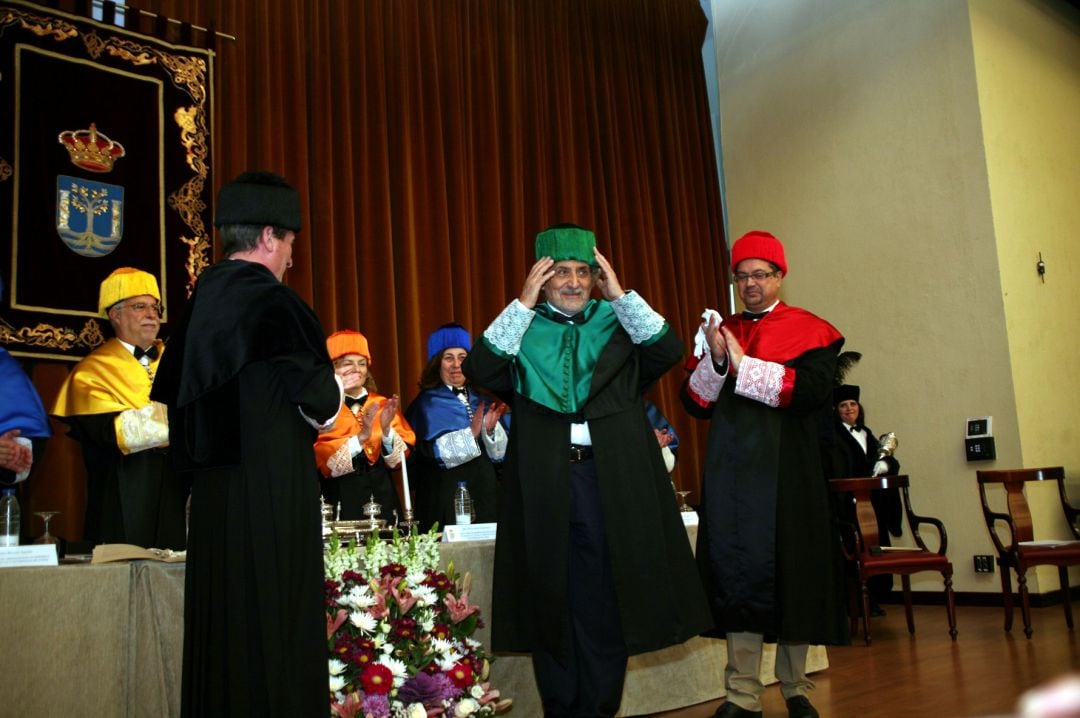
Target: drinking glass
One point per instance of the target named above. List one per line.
(46, 537)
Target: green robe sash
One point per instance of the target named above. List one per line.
(556, 361)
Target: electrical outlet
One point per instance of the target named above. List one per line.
(984, 564)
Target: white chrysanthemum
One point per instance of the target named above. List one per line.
(396, 667)
(336, 667)
(477, 691)
(416, 710)
(425, 595)
(337, 683)
(450, 660)
(363, 621)
(387, 648)
(441, 646)
(472, 643)
(465, 707)
(358, 597)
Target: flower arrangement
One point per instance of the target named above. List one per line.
(400, 633)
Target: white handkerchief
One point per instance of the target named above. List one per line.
(701, 347)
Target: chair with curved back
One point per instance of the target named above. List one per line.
(871, 559)
(1022, 551)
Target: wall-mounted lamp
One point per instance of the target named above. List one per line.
(1040, 267)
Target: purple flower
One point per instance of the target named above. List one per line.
(376, 706)
(431, 690)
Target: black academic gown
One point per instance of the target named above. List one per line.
(249, 356)
(767, 542)
(433, 413)
(130, 498)
(659, 594)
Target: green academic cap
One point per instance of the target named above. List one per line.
(567, 241)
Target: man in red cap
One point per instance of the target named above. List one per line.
(766, 549)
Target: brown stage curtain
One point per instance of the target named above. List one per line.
(431, 140)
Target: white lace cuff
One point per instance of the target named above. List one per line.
(142, 429)
(455, 448)
(705, 382)
(639, 320)
(509, 327)
(341, 462)
(760, 380)
(496, 445)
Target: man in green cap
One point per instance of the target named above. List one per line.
(592, 563)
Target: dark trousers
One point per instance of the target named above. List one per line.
(591, 681)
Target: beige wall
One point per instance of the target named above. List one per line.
(1027, 61)
(853, 130)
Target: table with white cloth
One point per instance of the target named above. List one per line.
(107, 640)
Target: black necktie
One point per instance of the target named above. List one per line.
(752, 316)
(152, 353)
(459, 390)
(353, 403)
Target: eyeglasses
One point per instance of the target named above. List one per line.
(759, 276)
(567, 272)
(140, 307)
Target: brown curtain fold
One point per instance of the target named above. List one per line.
(431, 140)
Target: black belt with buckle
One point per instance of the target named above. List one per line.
(580, 453)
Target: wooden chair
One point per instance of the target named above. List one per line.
(871, 559)
(1022, 551)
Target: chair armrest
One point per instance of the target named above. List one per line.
(850, 531)
(1071, 512)
(915, 520)
(992, 517)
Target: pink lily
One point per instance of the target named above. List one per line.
(459, 608)
(405, 599)
(332, 624)
(348, 708)
(379, 610)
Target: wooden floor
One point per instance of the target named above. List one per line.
(981, 674)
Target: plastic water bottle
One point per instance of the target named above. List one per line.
(462, 505)
(10, 519)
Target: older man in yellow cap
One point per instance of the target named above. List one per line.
(133, 495)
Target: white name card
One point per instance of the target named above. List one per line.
(469, 532)
(689, 518)
(30, 555)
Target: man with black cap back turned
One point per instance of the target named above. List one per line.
(248, 382)
(132, 493)
(766, 547)
(592, 563)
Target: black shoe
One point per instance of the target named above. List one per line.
(876, 610)
(730, 710)
(799, 707)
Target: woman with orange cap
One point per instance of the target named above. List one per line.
(369, 436)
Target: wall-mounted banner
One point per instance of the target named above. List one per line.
(104, 163)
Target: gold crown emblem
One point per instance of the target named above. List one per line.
(91, 149)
